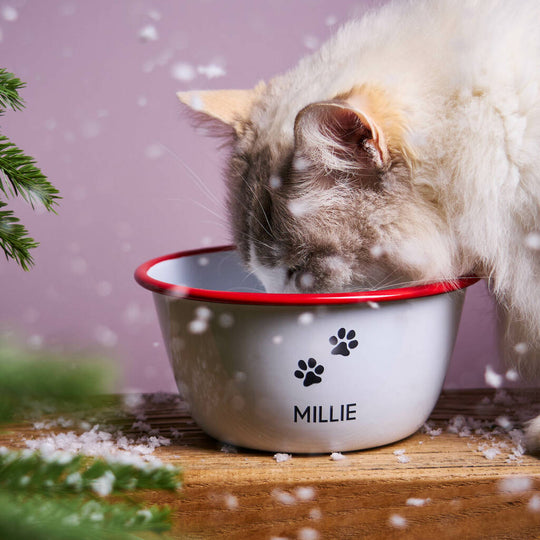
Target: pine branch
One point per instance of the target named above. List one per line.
(24, 178)
(19, 176)
(38, 517)
(14, 239)
(61, 473)
(30, 382)
(9, 95)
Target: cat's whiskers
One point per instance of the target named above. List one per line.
(197, 180)
(257, 200)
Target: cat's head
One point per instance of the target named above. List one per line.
(321, 195)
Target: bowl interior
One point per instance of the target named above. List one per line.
(217, 270)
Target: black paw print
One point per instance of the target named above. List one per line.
(346, 343)
(309, 372)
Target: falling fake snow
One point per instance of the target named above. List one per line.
(148, 33)
(397, 521)
(211, 71)
(493, 378)
(515, 484)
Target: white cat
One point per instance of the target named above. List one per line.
(406, 150)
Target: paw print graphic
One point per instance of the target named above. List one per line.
(343, 342)
(309, 372)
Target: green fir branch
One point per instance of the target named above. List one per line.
(34, 382)
(14, 239)
(60, 473)
(9, 95)
(38, 517)
(20, 176)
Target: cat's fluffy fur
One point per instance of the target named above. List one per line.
(406, 149)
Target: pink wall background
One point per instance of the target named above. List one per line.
(104, 124)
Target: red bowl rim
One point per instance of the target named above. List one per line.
(260, 298)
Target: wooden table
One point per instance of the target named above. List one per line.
(435, 484)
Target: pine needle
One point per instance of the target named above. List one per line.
(9, 95)
(19, 176)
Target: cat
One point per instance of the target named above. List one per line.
(406, 150)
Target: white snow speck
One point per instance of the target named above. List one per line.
(504, 422)
(105, 336)
(142, 101)
(492, 378)
(197, 326)
(491, 452)
(512, 375)
(133, 400)
(283, 497)
(397, 521)
(311, 42)
(104, 288)
(307, 533)
(35, 341)
(306, 280)
(299, 207)
(337, 456)
(148, 33)
(376, 251)
(90, 129)
(154, 151)
(277, 340)
(515, 484)
(534, 503)
(181, 71)
(231, 502)
(373, 305)
(315, 513)
(413, 501)
(301, 163)
(226, 320)
(154, 14)
(51, 124)
(532, 240)
(211, 71)
(521, 348)
(305, 493)
(275, 182)
(401, 457)
(203, 313)
(104, 484)
(9, 13)
(280, 458)
(78, 265)
(306, 318)
(330, 20)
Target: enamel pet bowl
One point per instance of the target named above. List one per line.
(306, 373)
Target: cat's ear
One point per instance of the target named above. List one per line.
(340, 137)
(229, 107)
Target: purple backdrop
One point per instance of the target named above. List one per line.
(103, 122)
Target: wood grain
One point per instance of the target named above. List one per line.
(240, 494)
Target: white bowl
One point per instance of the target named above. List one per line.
(306, 373)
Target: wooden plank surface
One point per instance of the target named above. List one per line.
(466, 469)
